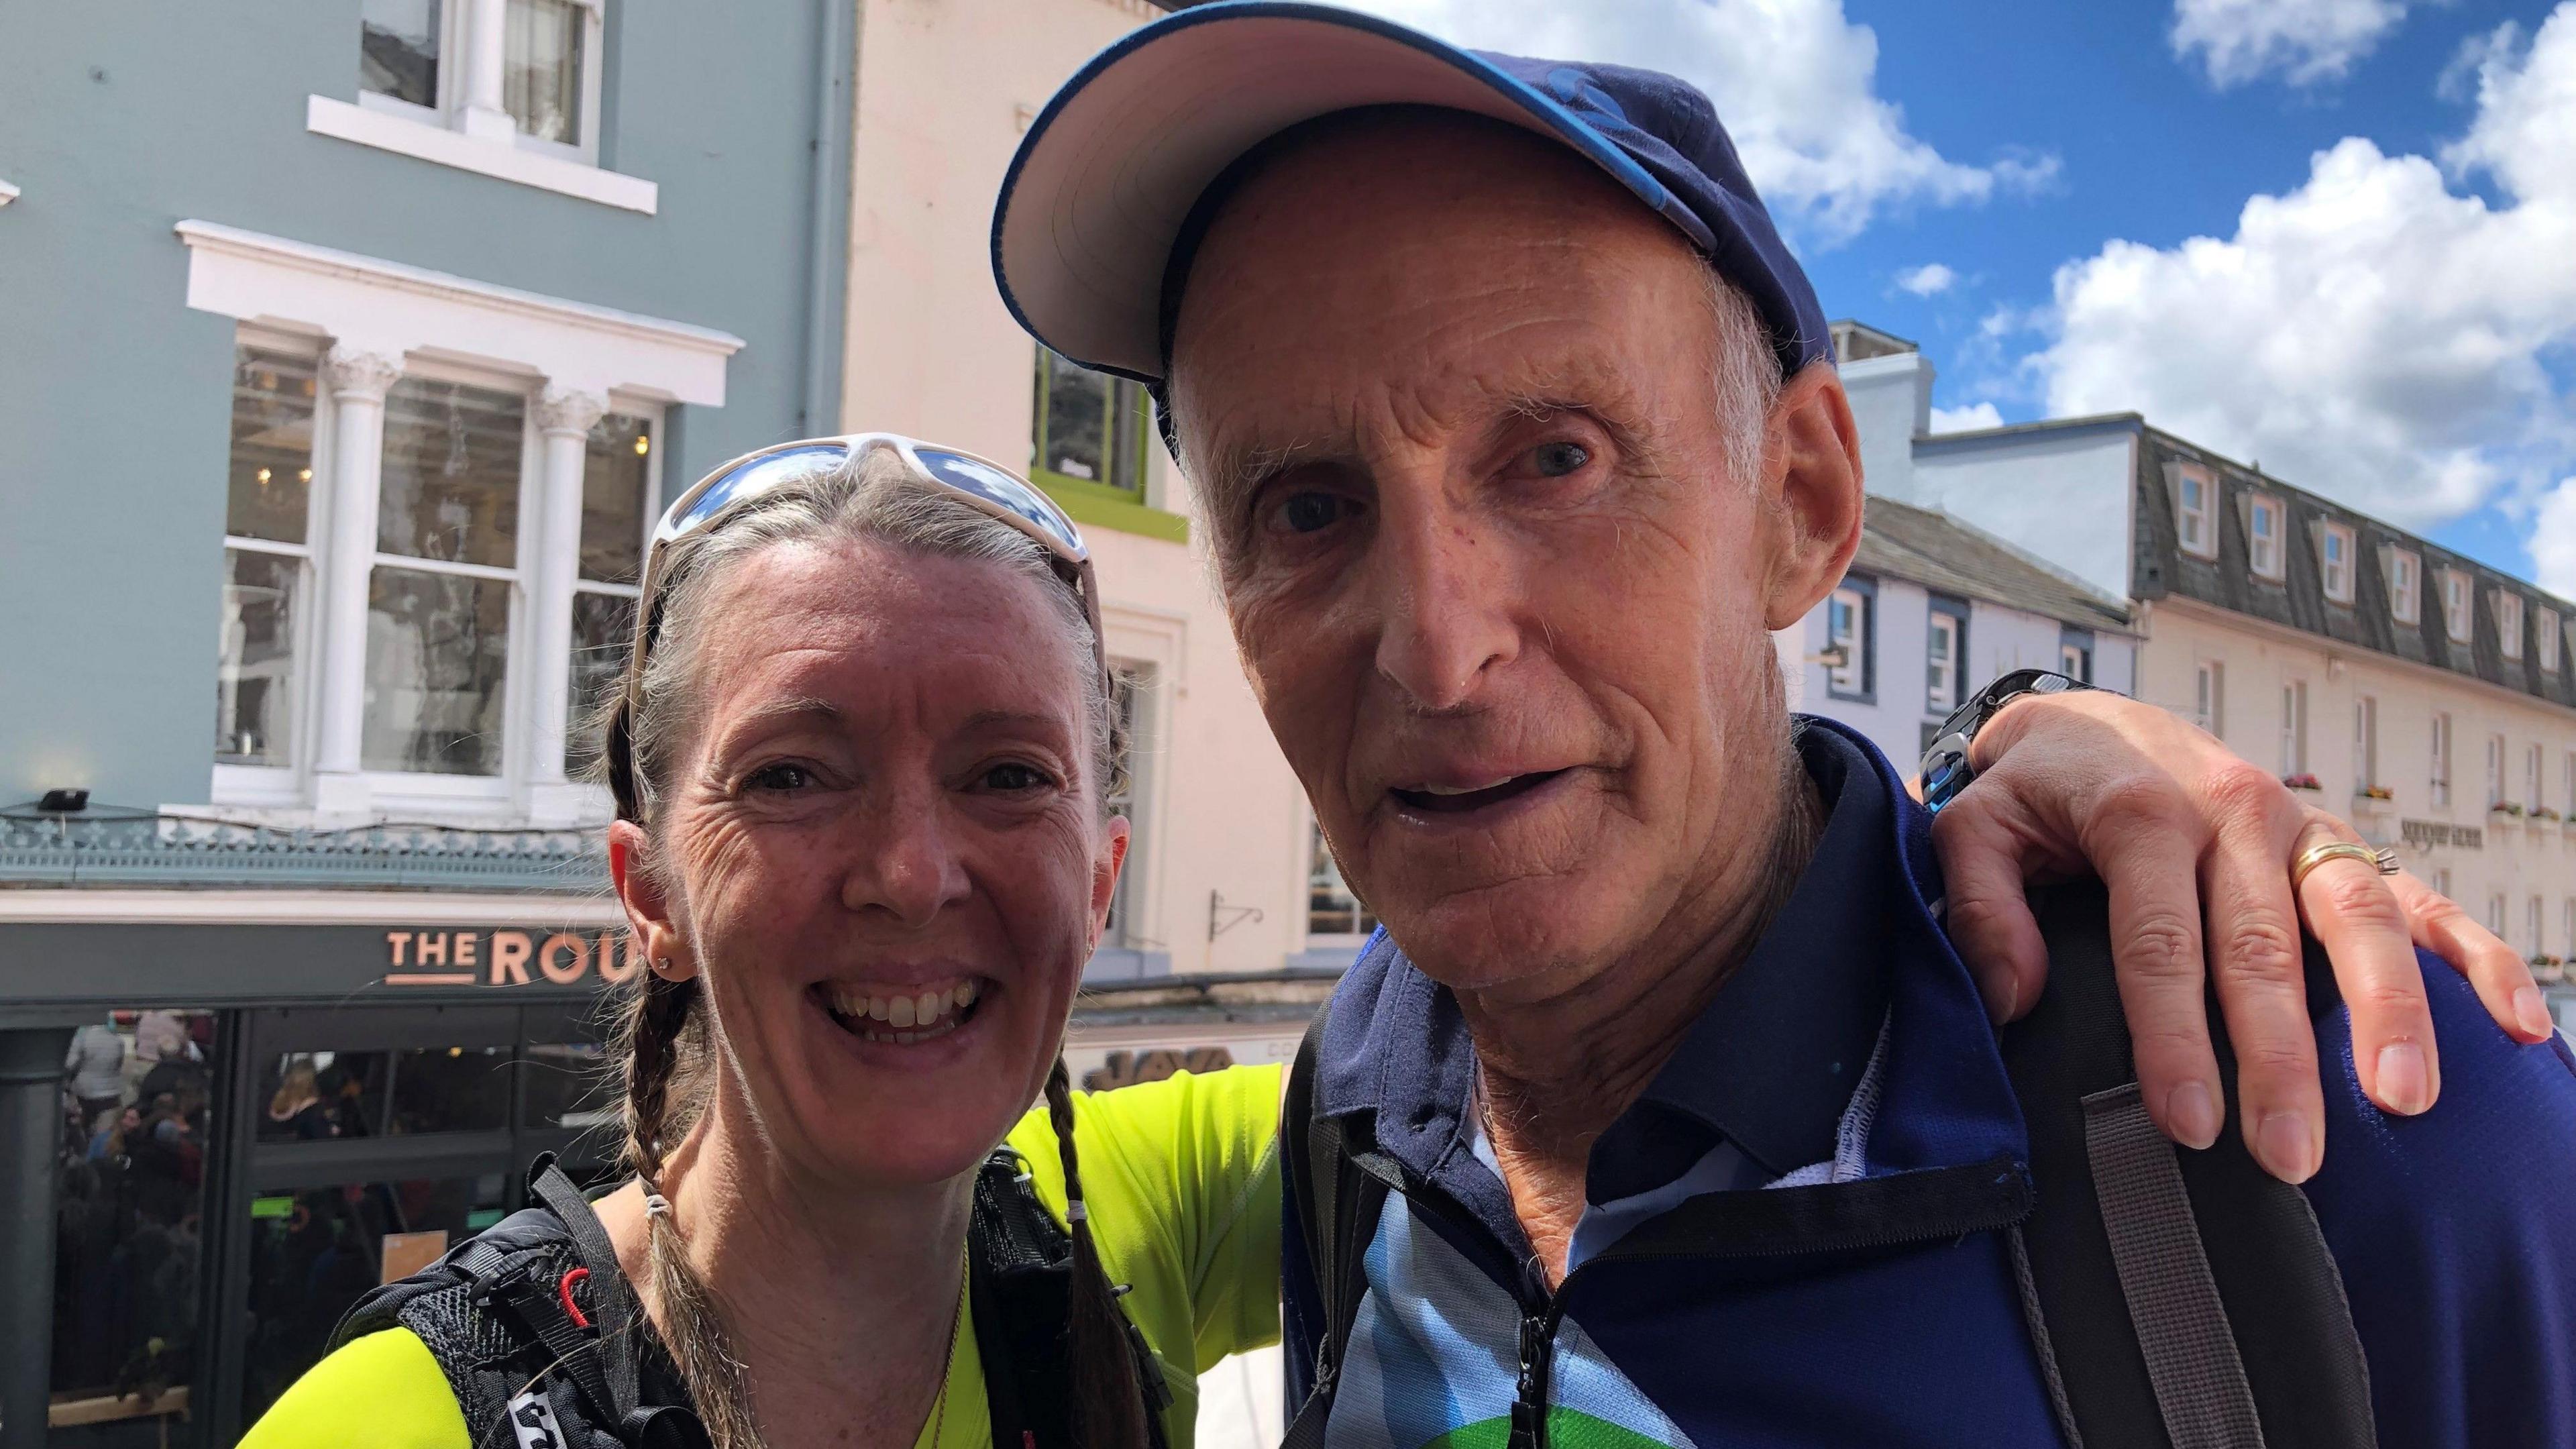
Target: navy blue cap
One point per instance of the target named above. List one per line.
(1110, 171)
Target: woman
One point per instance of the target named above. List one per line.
(295, 1109)
(860, 765)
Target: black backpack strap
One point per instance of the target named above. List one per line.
(1019, 1283)
(2179, 1300)
(1337, 1204)
(613, 1304)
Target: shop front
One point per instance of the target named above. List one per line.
(235, 1127)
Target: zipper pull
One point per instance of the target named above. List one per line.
(1529, 1402)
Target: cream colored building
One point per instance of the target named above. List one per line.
(1216, 881)
(2424, 697)
(1217, 878)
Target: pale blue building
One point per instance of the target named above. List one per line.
(346, 351)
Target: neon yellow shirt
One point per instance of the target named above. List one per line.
(1182, 1184)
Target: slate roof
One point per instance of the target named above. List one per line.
(2298, 600)
(1898, 540)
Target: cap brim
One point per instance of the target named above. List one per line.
(1108, 172)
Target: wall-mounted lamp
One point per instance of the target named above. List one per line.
(64, 802)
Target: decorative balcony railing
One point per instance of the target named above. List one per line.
(177, 850)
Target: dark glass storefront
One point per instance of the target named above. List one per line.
(228, 1181)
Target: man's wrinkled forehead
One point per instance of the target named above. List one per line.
(1495, 258)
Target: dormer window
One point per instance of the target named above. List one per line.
(2508, 612)
(2544, 628)
(2455, 605)
(2192, 487)
(2405, 575)
(2263, 536)
(2334, 561)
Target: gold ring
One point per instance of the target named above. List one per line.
(2383, 861)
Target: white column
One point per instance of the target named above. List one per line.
(483, 113)
(358, 382)
(564, 418)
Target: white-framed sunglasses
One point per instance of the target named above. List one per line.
(980, 483)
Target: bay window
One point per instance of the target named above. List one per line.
(267, 557)
(617, 491)
(446, 568)
(447, 656)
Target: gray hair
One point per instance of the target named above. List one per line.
(872, 497)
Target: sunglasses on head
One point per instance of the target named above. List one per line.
(981, 484)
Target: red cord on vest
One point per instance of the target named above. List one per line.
(563, 1290)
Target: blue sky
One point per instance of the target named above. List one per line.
(2396, 326)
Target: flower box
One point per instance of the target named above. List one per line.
(2301, 782)
(2506, 808)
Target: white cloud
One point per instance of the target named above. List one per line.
(1926, 279)
(2305, 40)
(2372, 334)
(2553, 539)
(1794, 81)
(1967, 419)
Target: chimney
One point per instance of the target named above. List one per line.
(1889, 382)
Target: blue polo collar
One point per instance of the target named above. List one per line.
(1771, 1063)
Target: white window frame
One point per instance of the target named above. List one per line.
(2365, 742)
(436, 789)
(2459, 600)
(2405, 586)
(282, 784)
(2535, 777)
(650, 415)
(2209, 696)
(2508, 617)
(2544, 635)
(2567, 809)
(2266, 553)
(2075, 663)
(1856, 676)
(1940, 696)
(2496, 910)
(2495, 771)
(2193, 527)
(2334, 561)
(2536, 919)
(2440, 778)
(470, 128)
(287, 292)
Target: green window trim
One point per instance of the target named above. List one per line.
(1097, 505)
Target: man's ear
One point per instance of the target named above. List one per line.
(648, 904)
(1813, 476)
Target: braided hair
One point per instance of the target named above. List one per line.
(660, 1046)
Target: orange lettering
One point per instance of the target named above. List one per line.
(510, 957)
(395, 941)
(616, 965)
(466, 942)
(433, 949)
(554, 947)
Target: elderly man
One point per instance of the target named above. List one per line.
(1515, 434)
